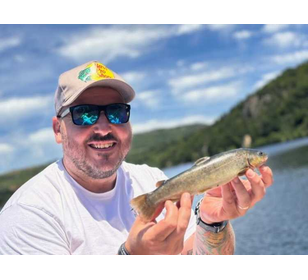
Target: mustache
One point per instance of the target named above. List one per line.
(98, 137)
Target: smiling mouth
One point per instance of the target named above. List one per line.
(102, 146)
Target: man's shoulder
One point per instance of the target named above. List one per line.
(38, 189)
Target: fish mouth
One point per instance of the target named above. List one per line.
(261, 162)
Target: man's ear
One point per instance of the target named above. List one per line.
(56, 124)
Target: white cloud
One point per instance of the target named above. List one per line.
(5, 148)
(188, 28)
(7, 43)
(213, 94)
(285, 39)
(291, 58)
(243, 34)
(199, 66)
(41, 145)
(184, 82)
(220, 27)
(7, 154)
(30, 149)
(133, 77)
(149, 98)
(16, 108)
(116, 41)
(42, 136)
(159, 124)
(265, 79)
(272, 28)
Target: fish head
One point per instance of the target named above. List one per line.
(256, 158)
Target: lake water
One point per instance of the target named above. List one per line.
(279, 223)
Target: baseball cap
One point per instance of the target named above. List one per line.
(91, 74)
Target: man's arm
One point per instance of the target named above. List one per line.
(210, 243)
(204, 242)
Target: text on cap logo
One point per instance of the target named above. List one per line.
(94, 72)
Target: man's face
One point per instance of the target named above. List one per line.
(96, 150)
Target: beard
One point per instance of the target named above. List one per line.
(76, 154)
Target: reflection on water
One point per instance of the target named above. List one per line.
(278, 224)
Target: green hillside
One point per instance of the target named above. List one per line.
(276, 113)
(165, 147)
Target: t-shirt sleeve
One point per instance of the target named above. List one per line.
(27, 230)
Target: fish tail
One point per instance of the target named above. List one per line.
(143, 207)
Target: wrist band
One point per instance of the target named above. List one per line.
(215, 227)
(122, 250)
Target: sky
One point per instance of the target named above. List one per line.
(182, 74)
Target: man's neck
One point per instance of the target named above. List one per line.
(92, 185)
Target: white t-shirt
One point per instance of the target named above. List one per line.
(53, 214)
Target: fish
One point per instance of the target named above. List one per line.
(205, 174)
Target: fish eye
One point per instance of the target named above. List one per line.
(260, 153)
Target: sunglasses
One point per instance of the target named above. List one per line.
(87, 114)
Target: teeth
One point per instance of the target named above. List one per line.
(102, 146)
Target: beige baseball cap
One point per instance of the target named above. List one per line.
(93, 73)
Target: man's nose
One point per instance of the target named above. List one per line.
(103, 124)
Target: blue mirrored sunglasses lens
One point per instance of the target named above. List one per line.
(85, 115)
(117, 113)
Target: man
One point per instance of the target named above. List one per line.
(80, 204)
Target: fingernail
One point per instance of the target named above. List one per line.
(250, 173)
(263, 168)
(186, 195)
(167, 202)
(236, 180)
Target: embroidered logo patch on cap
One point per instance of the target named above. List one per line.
(94, 72)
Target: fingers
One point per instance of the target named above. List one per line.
(216, 192)
(257, 186)
(169, 224)
(176, 238)
(228, 200)
(246, 193)
(236, 199)
(238, 196)
(176, 220)
(267, 176)
(184, 213)
(242, 195)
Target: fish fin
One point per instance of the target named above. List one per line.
(242, 173)
(201, 160)
(174, 199)
(143, 208)
(159, 183)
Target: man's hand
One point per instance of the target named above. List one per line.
(234, 199)
(164, 237)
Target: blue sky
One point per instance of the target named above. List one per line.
(182, 74)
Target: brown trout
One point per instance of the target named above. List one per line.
(205, 174)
